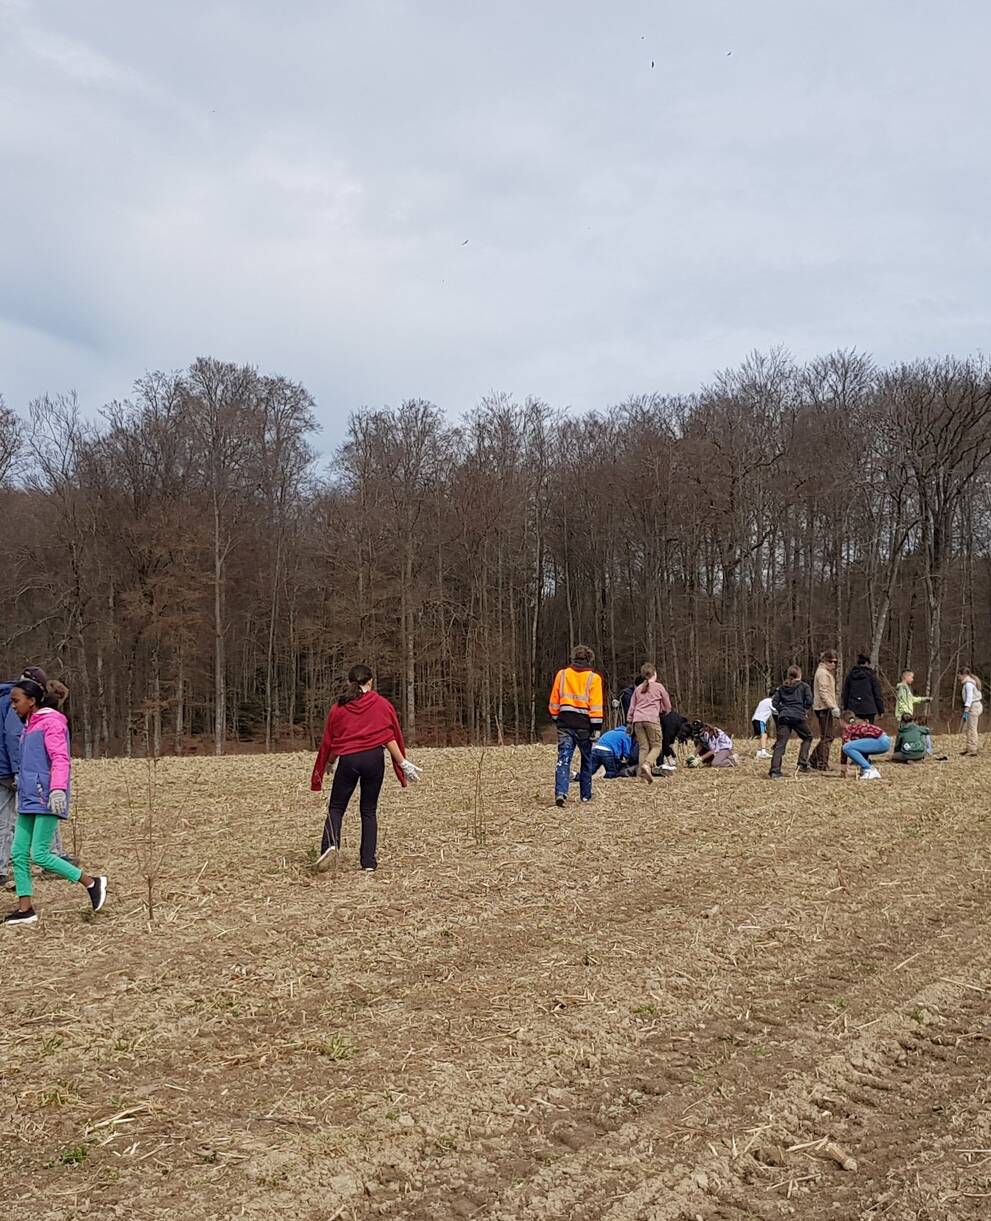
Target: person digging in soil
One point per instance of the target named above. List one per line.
(861, 740)
(360, 726)
(914, 741)
(43, 796)
(715, 748)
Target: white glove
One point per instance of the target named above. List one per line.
(57, 802)
(835, 712)
(411, 771)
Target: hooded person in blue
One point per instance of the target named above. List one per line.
(10, 764)
(11, 728)
(614, 751)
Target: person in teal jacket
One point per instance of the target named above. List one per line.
(914, 742)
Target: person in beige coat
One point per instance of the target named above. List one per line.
(825, 707)
(973, 706)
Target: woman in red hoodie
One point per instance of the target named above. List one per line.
(359, 726)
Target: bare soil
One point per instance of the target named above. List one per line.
(715, 997)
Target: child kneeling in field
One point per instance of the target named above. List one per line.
(715, 747)
(913, 743)
(861, 740)
(614, 751)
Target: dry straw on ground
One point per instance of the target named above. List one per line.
(699, 999)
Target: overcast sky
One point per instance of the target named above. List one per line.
(647, 191)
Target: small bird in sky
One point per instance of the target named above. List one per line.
(729, 53)
(466, 241)
(652, 63)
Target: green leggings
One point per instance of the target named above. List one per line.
(33, 842)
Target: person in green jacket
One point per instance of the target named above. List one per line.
(913, 743)
(906, 701)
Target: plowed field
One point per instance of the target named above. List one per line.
(712, 998)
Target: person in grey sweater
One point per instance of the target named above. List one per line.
(792, 703)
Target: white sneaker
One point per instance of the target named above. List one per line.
(763, 754)
(871, 774)
(324, 859)
(668, 767)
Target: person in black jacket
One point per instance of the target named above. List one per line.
(862, 692)
(674, 728)
(791, 704)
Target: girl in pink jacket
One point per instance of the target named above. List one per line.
(650, 702)
(42, 797)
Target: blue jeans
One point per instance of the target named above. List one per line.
(606, 759)
(8, 818)
(567, 742)
(857, 749)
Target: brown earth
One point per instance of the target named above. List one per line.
(712, 998)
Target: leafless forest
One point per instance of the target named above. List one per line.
(199, 578)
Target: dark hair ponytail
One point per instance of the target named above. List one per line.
(357, 677)
(36, 686)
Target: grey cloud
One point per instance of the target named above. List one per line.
(293, 187)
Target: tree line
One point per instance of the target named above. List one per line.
(198, 578)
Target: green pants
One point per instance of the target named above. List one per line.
(33, 842)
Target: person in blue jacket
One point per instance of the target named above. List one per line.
(11, 728)
(614, 751)
(10, 762)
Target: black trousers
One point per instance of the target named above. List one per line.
(368, 770)
(785, 730)
(670, 724)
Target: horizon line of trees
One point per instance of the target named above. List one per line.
(184, 566)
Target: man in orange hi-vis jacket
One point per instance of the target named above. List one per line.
(576, 706)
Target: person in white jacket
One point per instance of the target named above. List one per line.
(972, 709)
(759, 723)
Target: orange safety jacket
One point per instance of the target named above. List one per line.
(577, 691)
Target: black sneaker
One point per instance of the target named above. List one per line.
(19, 917)
(97, 892)
(559, 802)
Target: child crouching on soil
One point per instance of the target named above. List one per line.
(914, 741)
(43, 796)
(614, 752)
(716, 748)
(861, 740)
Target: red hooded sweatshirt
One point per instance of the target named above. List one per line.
(363, 724)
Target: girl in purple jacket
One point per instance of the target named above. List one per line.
(42, 797)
